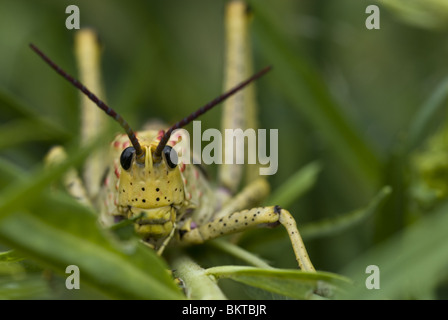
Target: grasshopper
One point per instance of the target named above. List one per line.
(169, 201)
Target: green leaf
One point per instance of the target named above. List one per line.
(410, 264)
(299, 183)
(58, 232)
(303, 86)
(10, 173)
(292, 283)
(423, 119)
(239, 253)
(24, 288)
(321, 228)
(13, 104)
(431, 14)
(23, 191)
(19, 131)
(10, 256)
(331, 226)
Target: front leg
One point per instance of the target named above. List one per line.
(246, 219)
(232, 219)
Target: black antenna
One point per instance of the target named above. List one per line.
(109, 111)
(204, 109)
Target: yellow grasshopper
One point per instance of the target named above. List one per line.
(170, 201)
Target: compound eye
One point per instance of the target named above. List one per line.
(126, 157)
(170, 156)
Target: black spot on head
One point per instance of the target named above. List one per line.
(157, 199)
(143, 200)
(236, 220)
(143, 189)
(157, 189)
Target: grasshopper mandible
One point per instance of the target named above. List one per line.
(171, 201)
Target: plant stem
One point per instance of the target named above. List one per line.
(200, 286)
(240, 253)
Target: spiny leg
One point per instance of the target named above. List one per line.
(239, 110)
(71, 180)
(232, 218)
(247, 219)
(88, 54)
(249, 197)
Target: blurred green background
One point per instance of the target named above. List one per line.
(340, 94)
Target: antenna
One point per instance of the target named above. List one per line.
(139, 152)
(204, 109)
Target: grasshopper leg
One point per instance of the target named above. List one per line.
(247, 219)
(71, 180)
(232, 219)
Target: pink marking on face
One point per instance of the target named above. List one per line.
(126, 144)
(117, 173)
(182, 167)
(117, 144)
(196, 174)
(177, 138)
(106, 181)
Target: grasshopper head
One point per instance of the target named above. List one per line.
(150, 188)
